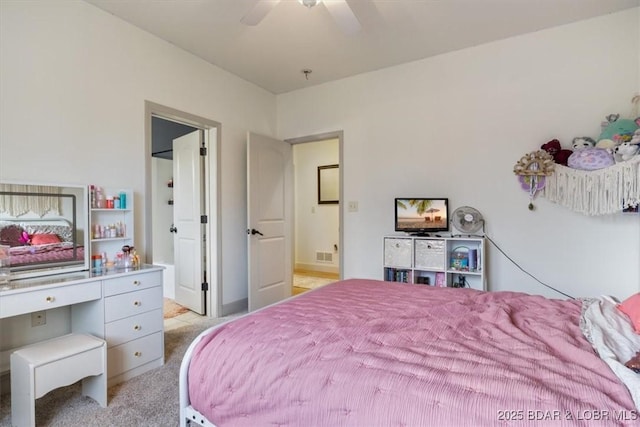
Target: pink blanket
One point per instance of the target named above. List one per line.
(51, 252)
(369, 353)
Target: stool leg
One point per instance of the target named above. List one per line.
(96, 386)
(23, 412)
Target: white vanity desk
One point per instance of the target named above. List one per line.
(122, 307)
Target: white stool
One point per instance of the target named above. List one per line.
(41, 367)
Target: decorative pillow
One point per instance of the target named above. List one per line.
(64, 232)
(590, 159)
(10, 235)
(631, 307)
(43, 239)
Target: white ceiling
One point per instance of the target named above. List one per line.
(292, 38)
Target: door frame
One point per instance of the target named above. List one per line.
(339, 135)
(213, 228)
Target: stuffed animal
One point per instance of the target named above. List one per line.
(615, 131)
(590, 158)
(626, 151)
(25, 239)
(560, 155)
(582, 142)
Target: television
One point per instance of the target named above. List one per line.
(421, 215)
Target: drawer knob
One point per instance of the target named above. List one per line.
(137, 354)
(136, 283)
(137, 303)
(136, 328)
(50, 299)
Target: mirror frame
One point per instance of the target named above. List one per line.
(79, 215)
(328, 184)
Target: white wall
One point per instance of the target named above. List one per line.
(74, 81)
(316, 225)
(455, 125)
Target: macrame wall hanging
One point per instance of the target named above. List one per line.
(603, 191)
(599, 192)
(15, 199)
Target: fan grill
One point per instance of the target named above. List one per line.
(467, 220)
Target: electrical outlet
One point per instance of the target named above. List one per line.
(353, 206)
(38, 318)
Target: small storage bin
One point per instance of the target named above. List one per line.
(397, 252)
(429, 254)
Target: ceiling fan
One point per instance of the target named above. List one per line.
(339, 10)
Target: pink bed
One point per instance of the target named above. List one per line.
(52, 252)
(40, 242)
(371, 353)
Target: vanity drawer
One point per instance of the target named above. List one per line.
(132, 303)
(131, 328)
(45, 299)
(131, 282)
(132, 354)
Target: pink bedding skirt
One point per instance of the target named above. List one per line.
(369, 353)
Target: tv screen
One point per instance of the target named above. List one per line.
(422, 215)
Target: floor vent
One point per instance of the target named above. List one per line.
(324, 256)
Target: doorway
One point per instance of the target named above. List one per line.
(271, 218)
(163, 125)
(317, 236)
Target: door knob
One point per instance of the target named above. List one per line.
(173, 229)
(254, 232)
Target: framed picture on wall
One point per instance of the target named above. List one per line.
(328, 184)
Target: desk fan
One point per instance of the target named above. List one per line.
(467, 220)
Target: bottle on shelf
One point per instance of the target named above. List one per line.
(123, 200)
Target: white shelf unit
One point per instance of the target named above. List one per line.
(121, 219)
(436, 261)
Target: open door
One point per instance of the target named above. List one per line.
(270, 219)
(189, 237)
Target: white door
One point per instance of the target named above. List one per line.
(270, 219)
(188, 241)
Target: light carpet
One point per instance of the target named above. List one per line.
(150, 399)
(310, 282)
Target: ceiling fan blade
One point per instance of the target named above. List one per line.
(343, 15)
(259, 11)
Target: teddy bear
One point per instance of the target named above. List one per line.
(559, 154)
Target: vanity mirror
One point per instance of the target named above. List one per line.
(45, 227)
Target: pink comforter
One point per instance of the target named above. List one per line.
(368, 353)
(51, 252)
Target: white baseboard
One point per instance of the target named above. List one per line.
(318, 267)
